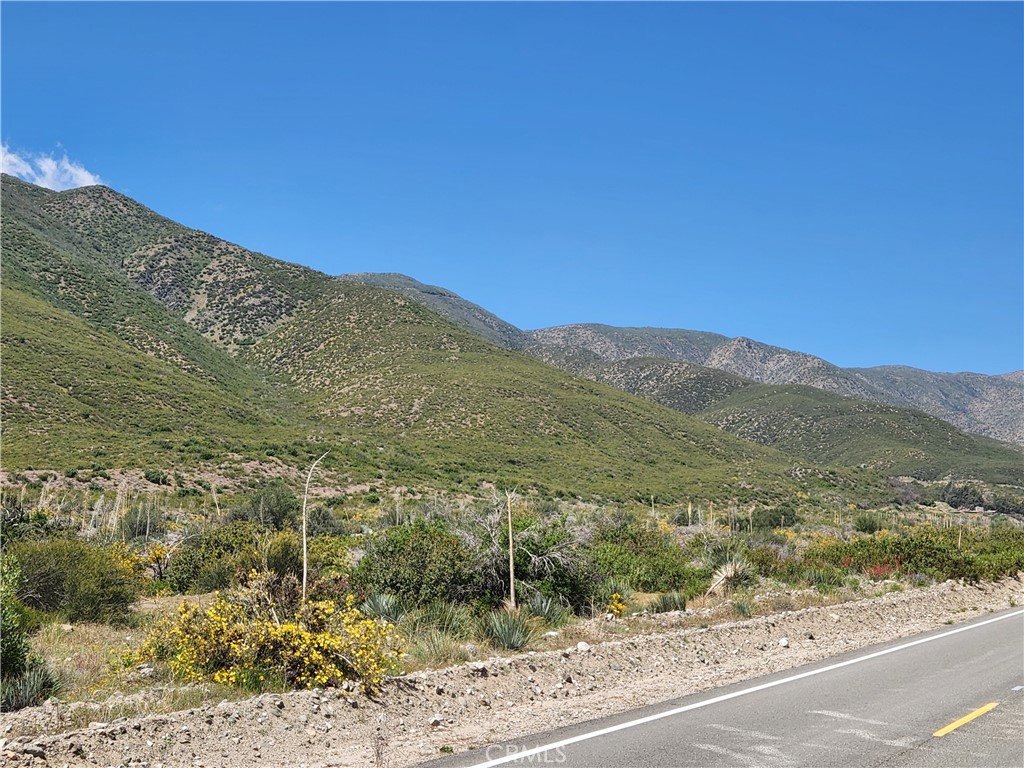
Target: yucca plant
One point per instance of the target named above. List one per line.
(436, 648)
(719, 552)
(31, 687)
(731, 575)
(511, 630)
(670, 601)
(449, 618)
(613, 586)
(826, 578)
(382, 605)
(743, 608)
(548, 610)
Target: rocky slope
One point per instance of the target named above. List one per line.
(155, 345)
(986, 405)
(992, 406)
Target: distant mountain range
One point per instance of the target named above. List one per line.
(992, 406)
(131, 341)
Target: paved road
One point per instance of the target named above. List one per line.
(877, 707)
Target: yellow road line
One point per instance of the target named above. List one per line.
(966, 719)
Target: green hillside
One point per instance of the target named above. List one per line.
(130, 337)
(465, 314)
(817, 425)
(378, 364)
(75, 395)
(684, 387)
(131, 341)
(227, 293)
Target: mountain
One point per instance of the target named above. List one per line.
(986, 405)
(472, 317)
(992, 406)
(131, 341)
(815, 425)
(824, 414)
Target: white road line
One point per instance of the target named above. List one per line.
(906, 741)
(526, 753)
(737, 756)
(755, 734)
(844, 716)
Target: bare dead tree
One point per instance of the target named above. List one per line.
(305, 497)
(509, 496)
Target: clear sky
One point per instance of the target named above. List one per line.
(845, 179)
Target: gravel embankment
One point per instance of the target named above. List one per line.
(492, 700)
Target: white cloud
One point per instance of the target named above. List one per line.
(46, 170)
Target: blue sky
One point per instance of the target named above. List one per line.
(843, 179)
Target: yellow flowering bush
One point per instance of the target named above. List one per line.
(616, 605)
(247, 637)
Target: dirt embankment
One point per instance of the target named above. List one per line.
(498, 699)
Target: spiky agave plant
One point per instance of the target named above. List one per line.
(511, 630)
(382, 605)
(33, 686)
(731, 575)
(670, 601)
(547, 609)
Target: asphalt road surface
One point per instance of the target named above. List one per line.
(921, 702)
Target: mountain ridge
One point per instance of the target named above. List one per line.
(990, 405)
(317, 358)
(295, 361)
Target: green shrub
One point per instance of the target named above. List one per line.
(284, 553)
(670, 601)
(156, 476)
(273, 505)
(549, 554)
(783, 516)
(213, 559)
(635, 549)
(868, 522)
(1008, 506)
(964, 496)
(329, 556)
(421, 562)
(764, 560)
(968, 553)
(14, 646)
(78, 580)
(322, 521)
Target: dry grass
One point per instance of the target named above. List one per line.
(85, 654)
(81, 654)
(153, 701)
